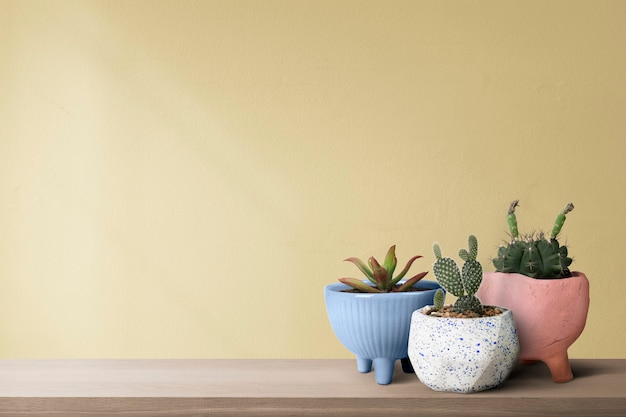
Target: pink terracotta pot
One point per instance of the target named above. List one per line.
(549, 314)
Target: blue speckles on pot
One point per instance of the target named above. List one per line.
(463, 354)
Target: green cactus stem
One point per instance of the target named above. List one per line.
(560, 219)
(447, 273)
(512, 220)
(438, 299)
(462, 283)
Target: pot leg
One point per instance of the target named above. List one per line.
(383, 370)
(559, 367)
(407, 366)
(364, 365)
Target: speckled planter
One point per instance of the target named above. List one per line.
(463, 355)
(550, 314)
(375, 327)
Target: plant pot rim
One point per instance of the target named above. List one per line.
(427, 285)
(504, 312)
(575, 274)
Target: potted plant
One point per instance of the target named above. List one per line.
(549, 302)
(372, 317)
(465, 347)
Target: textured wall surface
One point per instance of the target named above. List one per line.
(182, 178)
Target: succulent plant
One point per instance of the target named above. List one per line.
(463, 283)
(533, 254)
(382, 275)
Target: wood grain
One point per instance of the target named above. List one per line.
(197, 387)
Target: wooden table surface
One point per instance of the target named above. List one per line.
(333, 387)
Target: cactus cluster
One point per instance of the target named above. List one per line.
(533, 254)
(381, 276)
(463, 283)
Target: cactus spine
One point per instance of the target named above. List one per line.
(462, 283)
(534, 255)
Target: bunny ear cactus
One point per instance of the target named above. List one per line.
(534, 255)
(462, 283)
(381, 276)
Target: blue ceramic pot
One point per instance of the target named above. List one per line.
(375, 327)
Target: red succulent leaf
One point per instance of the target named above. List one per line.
(363, 268)
(406, 268)
(412, 281)
(358, 285)
(390, 261)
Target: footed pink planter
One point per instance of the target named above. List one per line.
(549, 314)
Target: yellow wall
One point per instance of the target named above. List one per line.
(182, 178)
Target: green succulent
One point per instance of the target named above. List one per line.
(533, 254)
(462, 283)
(381, 276)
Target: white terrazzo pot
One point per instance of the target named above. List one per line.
(463, 354)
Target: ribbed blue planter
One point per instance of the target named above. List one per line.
(375, 327)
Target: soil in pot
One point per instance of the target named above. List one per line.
(447, 311)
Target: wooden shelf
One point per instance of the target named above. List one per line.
(195, 387)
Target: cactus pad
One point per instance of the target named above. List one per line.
(467, 303)
(438, 299)
(472, 273)
(448, 275)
